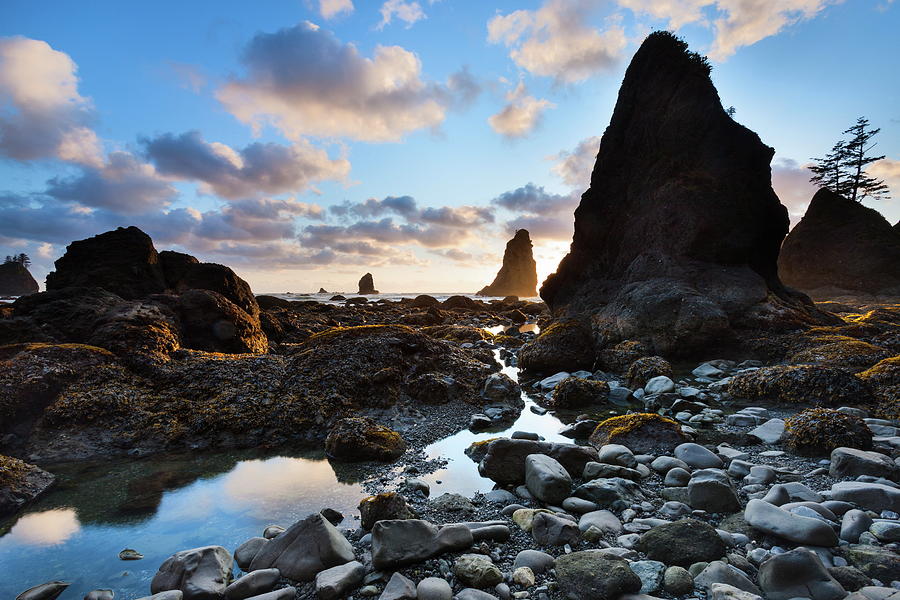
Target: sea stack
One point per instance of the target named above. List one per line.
(676, 241)
(367, 285)
(518, 274)
(841, 247)
(15, 280)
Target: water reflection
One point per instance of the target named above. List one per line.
(46, 528)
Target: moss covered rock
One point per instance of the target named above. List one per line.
(884, 381)
(818, 431)
(840, 351)
(20, 483)
(643, 433)
(618, 358)
(576, 392)
(362, 439)
(563, 346)
(810, 384)
(644, 369)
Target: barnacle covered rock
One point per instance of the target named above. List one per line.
(818, 431)
(644, 369)
(643, 433)
(577, 392)
(563, 346)
(813, 384)
(362, 439)
(884, 380)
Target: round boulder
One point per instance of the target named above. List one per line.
(362, 439)
(682, 543)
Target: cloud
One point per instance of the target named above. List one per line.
(331, 8)
(406, 11)
(790, 180)
(554, 41)
(545, 215)
(735, 23)
(887, 169)
(575, 167)
(521, 115)
(42, 114)
(256, 169)
(544, 227)
(123, 184)
(188, 76)
(304, 81)
(372, 207)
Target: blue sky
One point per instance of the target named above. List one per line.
(305, 143)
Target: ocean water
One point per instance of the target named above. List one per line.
(441, 296)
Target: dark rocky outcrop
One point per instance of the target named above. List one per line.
(367, 285)
(841, 247)
(20, 483)
(15, 280)
(518, 274)
(175, 266)
(211, 322)
(222, 280)
(122, 261)
(677, 238)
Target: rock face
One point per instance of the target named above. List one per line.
(518, 274)
(367, 285)
(122, 261)
(676, 240)
(304, 549)
(15, 280)
(841, 247)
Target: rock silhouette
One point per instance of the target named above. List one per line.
(518, 274)
(367, 285)
(15, 280)
(122, 261)
(841, 247)
(676, 240)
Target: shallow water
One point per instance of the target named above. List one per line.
(163, 504)
(441, 296)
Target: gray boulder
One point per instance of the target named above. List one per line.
(253, 584)
(605, 521)
(595, 575)
(45, 591)
(305, 548)
(504, 461)
(434, 588)
(682, 543)
(246, 552)
(798, 574)
(853, 524)
(721, 572)
(399, 588)
(402, 542)
(477, 570)
(850, 462)
(710, 490)
(200, 573)
(335, 582)
(546, 479)
(548, 529)
(616, 493)
(868, 496)
(697, 456)
(769, 432)
(781, 523)
(535, 560)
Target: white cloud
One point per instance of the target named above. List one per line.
(554, 40)
(42, 114)
(790, 180)
(304, 81)
(735, 23)
(575, 167)
(331, 8)
(406, 11)
(521, 115)
(887, 169)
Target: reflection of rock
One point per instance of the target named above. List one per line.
(841, 247)
(15, 280)
(677, 238)
(367, 285)
(518, 274)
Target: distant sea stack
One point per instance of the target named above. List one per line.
(841, 247)
(15, 280)
(676, 241)
(518, 274)
(367, 285)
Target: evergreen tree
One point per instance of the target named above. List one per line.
(828, 171)
(857, 158)
(24, 260)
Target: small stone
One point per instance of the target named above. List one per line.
(677, 581)
(523, 576)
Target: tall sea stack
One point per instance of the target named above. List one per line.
(676, 240)
(367, 284)
(841, 247)
(518, 274)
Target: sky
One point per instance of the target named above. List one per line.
(306, 142)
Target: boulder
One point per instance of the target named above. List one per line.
(778, 522)
(335, 582)
(850, 462)
(434, 588)
(518, 274)
(710, 490)
(367, 285)
(383, 506)
(246, 552)
(642, 433)
(561, 346)
(818, 431)
(252, 584)
(697, 456)
(577, 392)
(876, 562)
(15, 280)
(404, 542)
(362, 439)
(596, 575)
(868, 496)
(20, 483)
(477, 570)
(45, 591)
(200, 574)
(615, 494)
(304, 549)
(798, 574)
(399, 587)
(546, 479)
(122, 261)
(719, 572)
(841, 247)
(504, 459)
(219, 279)
(548, 529)
(796, 384)
(175, 265)
(676, 245)
(682, 543)
(211, 322)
